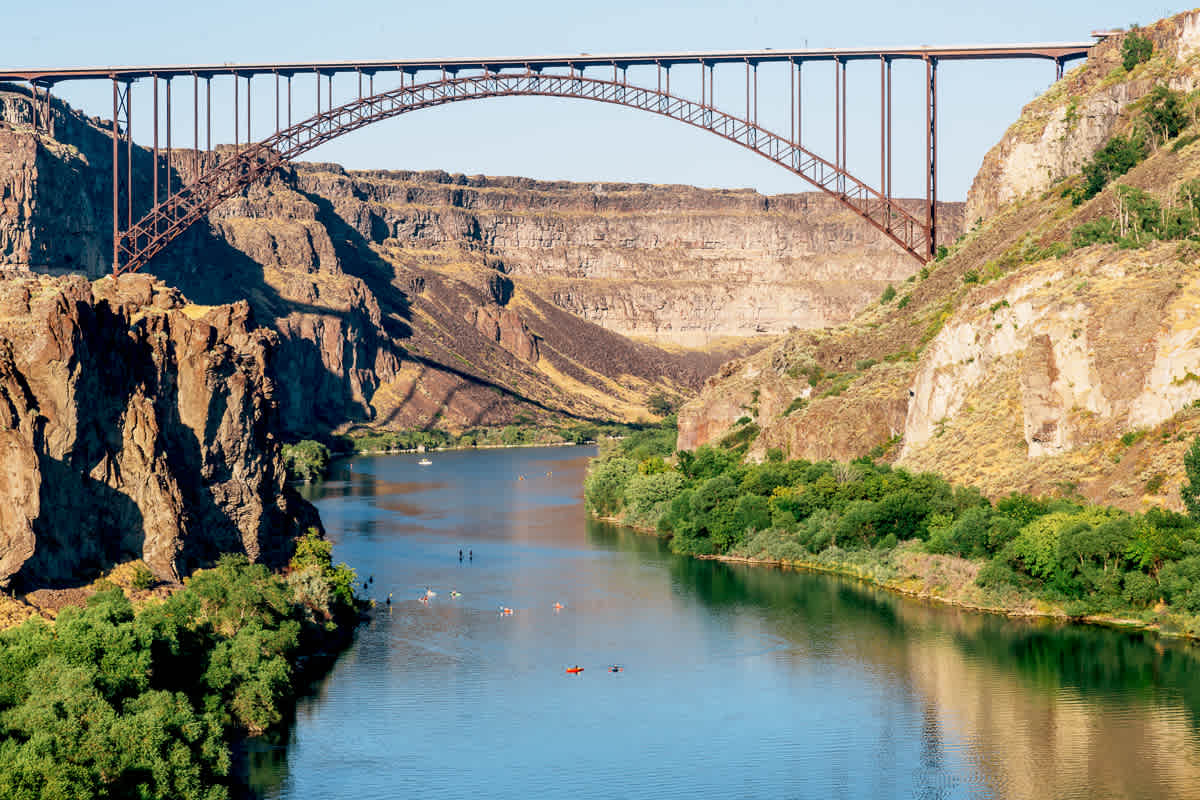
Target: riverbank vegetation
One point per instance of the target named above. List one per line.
(521, 432)
(306, 460)
(113, 701)
(912, 532)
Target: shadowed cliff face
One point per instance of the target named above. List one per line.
(414, 299)
(135, 425)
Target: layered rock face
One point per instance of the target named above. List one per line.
(135, 425)
(1060, 130)
(669, 264)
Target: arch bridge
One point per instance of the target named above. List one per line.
(142, 230)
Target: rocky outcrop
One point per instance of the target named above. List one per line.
(135, 425)
(1061, 129)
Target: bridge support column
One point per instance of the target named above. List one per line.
(931, 153)
(154, 83)
(195, 126)
(122, 113)
(168, 174)
(43, 116)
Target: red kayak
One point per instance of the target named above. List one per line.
(574, 670)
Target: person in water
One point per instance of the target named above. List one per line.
(460, 554)
(470, 555)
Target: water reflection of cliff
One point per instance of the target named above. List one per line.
(1039, 709)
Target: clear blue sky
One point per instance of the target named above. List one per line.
(579, 140)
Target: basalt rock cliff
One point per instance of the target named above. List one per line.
(1028, 359)
(135, 425)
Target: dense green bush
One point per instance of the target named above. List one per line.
(1164, 113)
(1190, 492)
(1119, 155)
(109, 703)
(645, 491)
(604, 487)
(1136, 49)
(306, 460)
(659, 404)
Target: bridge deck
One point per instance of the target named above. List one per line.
(1055, 51)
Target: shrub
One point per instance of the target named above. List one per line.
(659, 404)
(888, 295)
(1119, 155)
(740, 439)
(1102, 230)
(1190, 491)
(604, 487)
(306, 460)
(1180, 582)
(1164, 113)
(142, 577)
(644, 491)
(1139, 589)
(796, 404)
(1136, 49)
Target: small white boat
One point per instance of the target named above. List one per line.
(424, 462)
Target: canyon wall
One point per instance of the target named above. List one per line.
(669, 264)
(411, 299)
(135, 425)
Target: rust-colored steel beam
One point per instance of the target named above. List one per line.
(931, 153)
(136, 243)
(888, 192)
(1051, 51)
(154, 84)
(237, 170)
(168, 175)
(116, 181)
(195, 124)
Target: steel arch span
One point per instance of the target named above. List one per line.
(187, 205)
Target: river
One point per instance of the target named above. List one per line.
(736, 681)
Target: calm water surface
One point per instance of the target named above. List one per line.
(738, 682)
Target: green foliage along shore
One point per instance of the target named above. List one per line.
(305, 460)
(1018, 551)
(110, 701)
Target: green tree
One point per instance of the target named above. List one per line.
(1135, 49)
(659, 404)
(644, 491)
(1165, 113)
(306, 460)
(604, 487)
(1190, 491)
